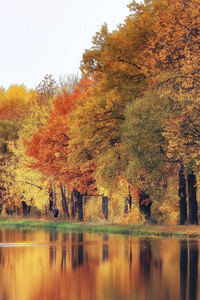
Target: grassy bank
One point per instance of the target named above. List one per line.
(106, 228)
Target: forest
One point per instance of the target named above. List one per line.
(121, 141)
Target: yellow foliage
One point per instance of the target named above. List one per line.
(166, 210)
(17, 93)
(24, 181)
(2, 94)
(134, 216)
(38, 116)
(169, 214)
(93, 209)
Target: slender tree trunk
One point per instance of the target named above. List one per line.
(50, 199)
(126, 207)
(64, 201)
(182, 195)
(105, 206)
(45, 209)
(129, 201)
(128, 204)
(79, 198)
(73, 212)
(193, 206)
(1, 202)
(54, 198)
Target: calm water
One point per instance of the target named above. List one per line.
(36, 265)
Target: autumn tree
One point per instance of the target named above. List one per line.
(155, 46)
(174, 46)
(95, 133)
(49, 147)
(8, 133)
(116, 62)
(14, 104)
(46, 90)
(29, 110)
(182, 136)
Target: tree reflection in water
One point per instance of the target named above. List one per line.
(183, 268)
(82, 266)
(64, 250)
(77, 250)
(52, 249)
(189, 257)
(105, 248)
(193, 272)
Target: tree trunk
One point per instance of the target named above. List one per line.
(79, 198)
(25, 208)
(64, 201)
(73, 212)
(105, 206)
(182, 195)
(54, 198)
(145, 204)
(45, 209)
(193, 206)
(50, 199)
(128, 203)
(1, 202)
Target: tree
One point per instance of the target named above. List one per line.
(174, 46)
(182, 195)
(50, 148)
(46, 90)
(8, 133)
(193, 206)
(115, 58)
(15, 103)
(148, 167)
(67, 83)
(172, 58)
(95, 133)
(182, 137)
(28, 113)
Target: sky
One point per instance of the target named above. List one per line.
(41, 37)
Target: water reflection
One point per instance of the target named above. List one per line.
(77, 250)
(54, 266)
(193, 273)
(104, 248)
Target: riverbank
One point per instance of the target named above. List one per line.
(104, 228)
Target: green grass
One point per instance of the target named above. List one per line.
(177, 231)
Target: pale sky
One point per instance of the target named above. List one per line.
(41, 37)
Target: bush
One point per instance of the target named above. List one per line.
(134, 216)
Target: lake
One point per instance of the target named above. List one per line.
(36, 265)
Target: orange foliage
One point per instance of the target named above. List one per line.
(174, 46)
(12, 109)
(49, 146)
